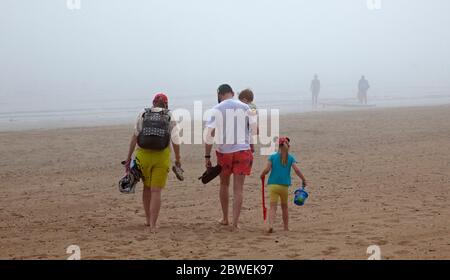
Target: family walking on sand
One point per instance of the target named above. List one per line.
(155, 130)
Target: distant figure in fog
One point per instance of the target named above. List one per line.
(315, 90)
(363, 87)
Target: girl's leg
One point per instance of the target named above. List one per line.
(155, 206)
(146, 197)
(272, 214)
(284, 209)
(274, 197)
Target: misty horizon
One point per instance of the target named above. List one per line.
(118, 48)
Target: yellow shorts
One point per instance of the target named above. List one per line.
(279, 192)
(154, 165)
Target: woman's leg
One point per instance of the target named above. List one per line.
(284, 209)
(146, 197)
(155, 205)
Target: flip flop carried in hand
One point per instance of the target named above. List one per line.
(178, 172)
(210, 174)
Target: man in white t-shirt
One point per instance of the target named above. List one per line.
(232, 125)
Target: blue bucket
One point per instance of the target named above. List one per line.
(300, 196)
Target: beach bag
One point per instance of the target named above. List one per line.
(155, 134)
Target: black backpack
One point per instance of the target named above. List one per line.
(155, 134)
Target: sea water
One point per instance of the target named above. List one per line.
(42, 112)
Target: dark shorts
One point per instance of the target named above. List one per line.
(238, 163)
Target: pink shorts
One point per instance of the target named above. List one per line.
(238, 163)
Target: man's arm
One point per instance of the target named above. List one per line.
(208, 146)
(133, 141)
(176, 141)
(131, 148)
(176, 150)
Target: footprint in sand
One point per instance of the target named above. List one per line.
(165, 253)
(40, 257)
(401, 252)
(330, 250)
(293, 256)
(142, 238)
(392, 221)
(228, 255)
(404, 243)
(264, 239)
(378, 241)
(236, 245)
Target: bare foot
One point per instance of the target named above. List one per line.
(236, 228)
(146, 224)
(223, 222)
(286, 229)
(153, 229)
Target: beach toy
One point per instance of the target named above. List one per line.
(263, 179)
(210, 174)
(300, 196)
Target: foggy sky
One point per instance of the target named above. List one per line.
(134, 48)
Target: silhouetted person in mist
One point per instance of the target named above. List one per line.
(363, 87)
(315, 90)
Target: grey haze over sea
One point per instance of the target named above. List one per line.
(51, 112)
(101, 64)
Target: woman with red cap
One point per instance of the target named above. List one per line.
(155, 129)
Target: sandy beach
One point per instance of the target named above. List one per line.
(377, 177)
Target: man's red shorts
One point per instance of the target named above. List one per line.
(238, 163)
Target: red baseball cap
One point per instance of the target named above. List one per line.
(283, 140)
(161, 98)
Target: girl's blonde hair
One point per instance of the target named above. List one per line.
(284, 151)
